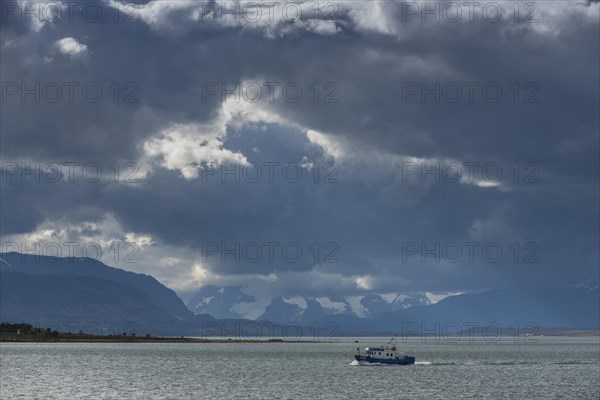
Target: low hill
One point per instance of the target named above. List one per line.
(78, 293)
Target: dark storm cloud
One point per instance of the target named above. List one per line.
(371, 213)
(351, 213)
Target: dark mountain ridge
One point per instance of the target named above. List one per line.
(88, 293)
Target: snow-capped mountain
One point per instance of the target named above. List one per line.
(373, 305)
(233, 302)
(225, 302)
(303, 310)
(306, 310)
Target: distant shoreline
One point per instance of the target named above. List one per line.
(66, 338)
(143, 340)
(26, 333)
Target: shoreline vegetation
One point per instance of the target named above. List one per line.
(23, 333)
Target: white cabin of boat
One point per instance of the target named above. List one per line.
(389, 352)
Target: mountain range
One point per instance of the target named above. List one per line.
(233, 302)
(82, 292)
(572, 307)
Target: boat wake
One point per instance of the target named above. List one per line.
(470, 363)
(368, 364)
(372, 364)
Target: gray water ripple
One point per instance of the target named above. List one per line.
(548, 369)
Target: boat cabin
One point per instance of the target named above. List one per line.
(388, 352)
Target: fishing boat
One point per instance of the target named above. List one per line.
(386, 354)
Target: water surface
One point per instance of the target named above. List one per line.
(539, 368)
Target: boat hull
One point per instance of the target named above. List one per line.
(406, 360)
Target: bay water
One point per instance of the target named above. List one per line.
(520, 368)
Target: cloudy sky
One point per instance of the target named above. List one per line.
(329, 148)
